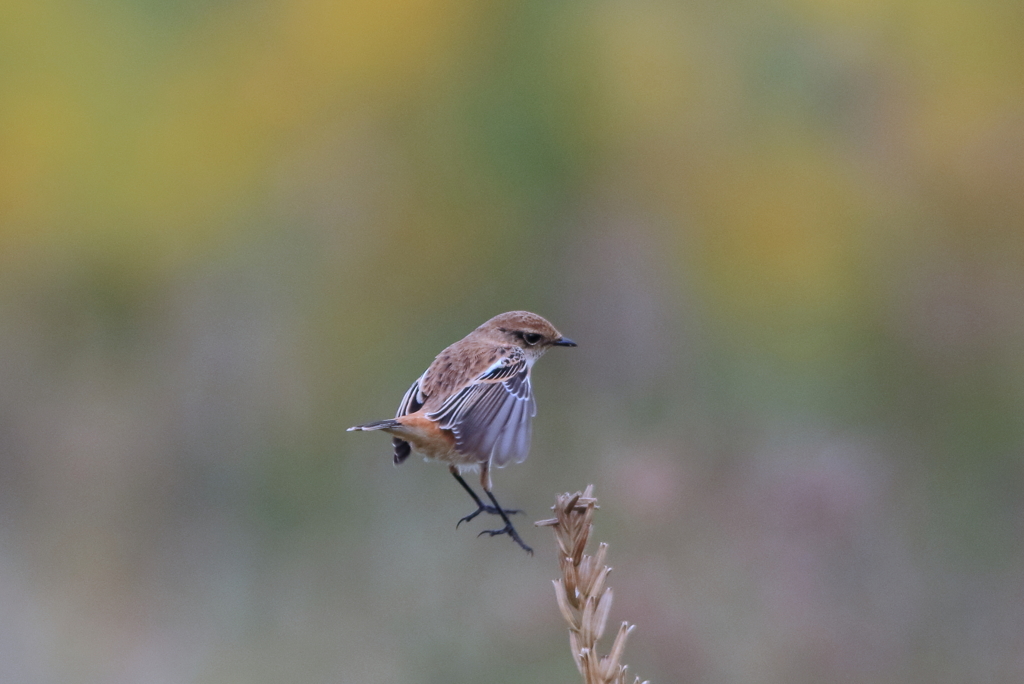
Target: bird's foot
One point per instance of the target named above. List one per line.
(510, 531)
(484, 508)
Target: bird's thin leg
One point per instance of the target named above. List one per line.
(481, 507)
(508, 528)
(485, 484)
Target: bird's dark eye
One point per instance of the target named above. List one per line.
(531, 338)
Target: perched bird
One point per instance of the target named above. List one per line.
(473, 407)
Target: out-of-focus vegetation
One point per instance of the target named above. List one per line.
(787, 235)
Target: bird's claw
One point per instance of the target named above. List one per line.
(510, 531)
(493, 510)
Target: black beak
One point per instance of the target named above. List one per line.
(564, 342)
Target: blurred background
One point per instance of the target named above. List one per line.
(787, 236)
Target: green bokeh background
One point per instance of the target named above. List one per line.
(787, 236)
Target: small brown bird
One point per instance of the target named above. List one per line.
(473, 407)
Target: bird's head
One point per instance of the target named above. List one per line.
(534, 334)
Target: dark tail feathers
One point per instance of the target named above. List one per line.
(402, 448)
(377, 425)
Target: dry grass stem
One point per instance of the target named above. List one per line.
(583, 599)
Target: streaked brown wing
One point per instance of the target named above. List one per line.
(492, 417)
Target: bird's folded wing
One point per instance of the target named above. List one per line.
(492, 417)
(414, 398)
(411, 403)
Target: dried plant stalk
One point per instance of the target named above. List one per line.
(582, 597)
